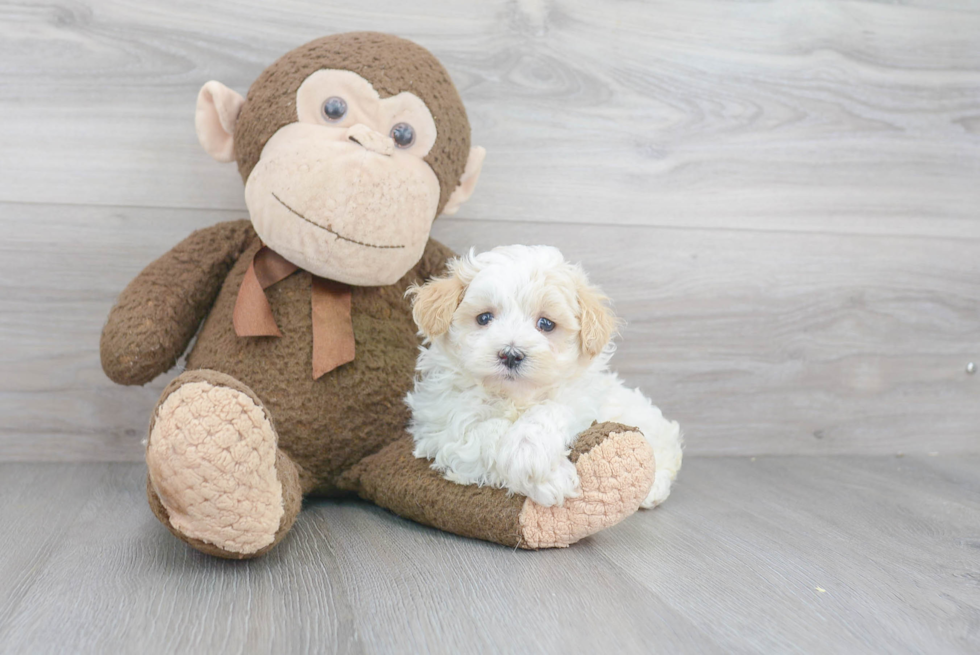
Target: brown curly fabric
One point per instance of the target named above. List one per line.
(391, 64)
(329, 424)
(333, 334)
(397, 480)
(158, 313)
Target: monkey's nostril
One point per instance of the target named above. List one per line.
(355, 141)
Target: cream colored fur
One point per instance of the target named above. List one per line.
(484, 422)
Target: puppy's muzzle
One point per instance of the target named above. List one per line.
(511, 357)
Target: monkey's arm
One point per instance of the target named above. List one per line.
(159, 312)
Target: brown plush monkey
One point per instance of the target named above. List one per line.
(349, 147)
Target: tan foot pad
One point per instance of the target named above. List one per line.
(616, 476)
(212, 461)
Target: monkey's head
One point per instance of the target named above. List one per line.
(349, 147)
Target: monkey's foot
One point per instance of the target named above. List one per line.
(216, 477)
(616, 466)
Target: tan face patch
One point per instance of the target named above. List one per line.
(341, 210)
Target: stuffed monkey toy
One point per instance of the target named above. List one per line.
(349, 147)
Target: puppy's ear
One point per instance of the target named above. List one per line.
(597, 320)
(435, 302)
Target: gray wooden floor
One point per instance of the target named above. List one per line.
(770, 554)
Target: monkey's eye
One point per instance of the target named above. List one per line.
(546, 324)
(334, 108)
(484, 318)
(403, 135)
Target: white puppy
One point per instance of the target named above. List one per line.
(517, 365)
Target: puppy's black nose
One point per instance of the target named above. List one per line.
(511, 357)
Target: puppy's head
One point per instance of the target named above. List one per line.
(517, 318)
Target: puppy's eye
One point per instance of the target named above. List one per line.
(546, 324)
(334, 108)
(484, 318)
(403, 135)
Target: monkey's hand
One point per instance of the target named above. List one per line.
(158, 313)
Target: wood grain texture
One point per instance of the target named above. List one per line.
(781, 197)
(757, 342)
(815, 116)
(784, 554)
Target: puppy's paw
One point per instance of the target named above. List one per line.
(616, 467)
(531, 460)
(561, 484)
(528, 453)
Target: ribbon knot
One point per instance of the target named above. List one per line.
(333, 332)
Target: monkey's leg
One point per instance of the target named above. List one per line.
(615, 464)
(216, 477)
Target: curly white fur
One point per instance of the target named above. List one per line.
(482, 422)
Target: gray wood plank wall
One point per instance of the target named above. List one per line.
(783, 198)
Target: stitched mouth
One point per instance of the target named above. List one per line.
(333, 232)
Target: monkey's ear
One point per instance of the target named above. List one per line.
(217, 112)
(467, 183)
(597, 321)
(435, 302)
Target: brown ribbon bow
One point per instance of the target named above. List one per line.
(333, 333)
